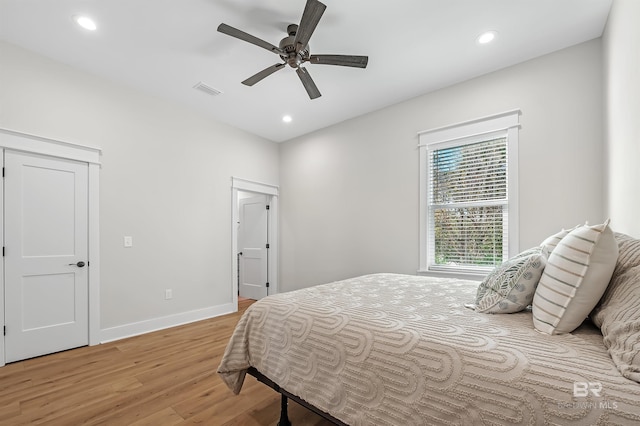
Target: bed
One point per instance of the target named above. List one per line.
(390, 349)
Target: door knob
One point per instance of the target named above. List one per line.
(79, 264)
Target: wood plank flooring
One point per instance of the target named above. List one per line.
(163, 378)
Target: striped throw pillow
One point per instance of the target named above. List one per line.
(577, 274)
(552, 241)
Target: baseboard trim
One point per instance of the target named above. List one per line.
(155, 324)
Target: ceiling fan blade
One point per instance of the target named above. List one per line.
(307, 82)
(234, 32)
(343, 60)
(262, 74)
(313, 11)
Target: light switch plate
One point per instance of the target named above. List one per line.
(128, 241)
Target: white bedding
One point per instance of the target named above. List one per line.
(390, 349)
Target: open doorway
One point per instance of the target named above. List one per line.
(254, 239)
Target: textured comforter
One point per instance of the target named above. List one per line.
(390, 349)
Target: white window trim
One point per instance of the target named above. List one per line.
(480, 128)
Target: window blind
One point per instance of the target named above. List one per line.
(468, 204)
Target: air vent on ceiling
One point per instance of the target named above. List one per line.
(207, 89)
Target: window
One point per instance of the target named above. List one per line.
(468, 197)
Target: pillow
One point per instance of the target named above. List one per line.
(577, 274)
(510, 287)
(552, 241)
(618, 313)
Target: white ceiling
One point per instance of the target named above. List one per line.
(165, 47)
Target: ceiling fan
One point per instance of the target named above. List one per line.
(294, 49)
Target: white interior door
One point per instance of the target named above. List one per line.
(253, 241)
(46, 251)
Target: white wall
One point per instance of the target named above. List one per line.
(349, 193)
(165, 180)
(621, 42)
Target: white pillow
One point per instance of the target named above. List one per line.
(510, 287)
(552, 241)
(577, 274)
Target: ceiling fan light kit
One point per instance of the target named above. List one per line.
(294, 49)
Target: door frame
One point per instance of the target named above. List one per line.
(24, 142)
(272, 192)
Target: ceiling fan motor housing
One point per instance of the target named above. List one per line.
(287, 45)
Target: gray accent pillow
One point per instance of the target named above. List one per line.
(510, 287)
(618, 313)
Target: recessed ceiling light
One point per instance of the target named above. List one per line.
(487, 37)
(85, 22)
(287, 119)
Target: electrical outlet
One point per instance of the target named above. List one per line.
(168, 294)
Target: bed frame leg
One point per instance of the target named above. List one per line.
(284, 416)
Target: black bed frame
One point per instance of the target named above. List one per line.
(286, 396)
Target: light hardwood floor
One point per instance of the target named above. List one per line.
(162, 378)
